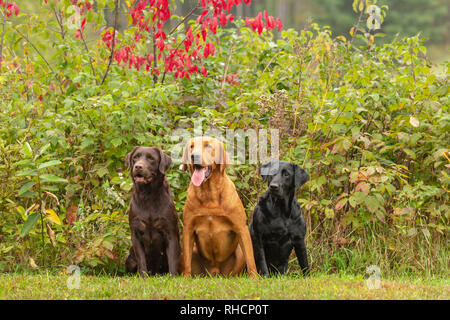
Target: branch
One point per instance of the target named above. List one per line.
(3, 36)
(116, 11)
(89, 57)
(357, 26)
(230, 54)
(190, 13)
(60, 22)
(155, 59)
(37, 51)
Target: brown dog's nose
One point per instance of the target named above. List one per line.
(138, 166)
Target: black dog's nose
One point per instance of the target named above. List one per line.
(196, 158)
(274, 187)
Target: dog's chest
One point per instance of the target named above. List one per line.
(276, 230)
(215, 237)
(145, 218)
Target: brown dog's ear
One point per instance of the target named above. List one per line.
(165, 162)
(128, 158)
(221, 157)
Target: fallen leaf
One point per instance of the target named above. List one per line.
(111, 254)
(342, 241)
(33, 264)
(51, 234)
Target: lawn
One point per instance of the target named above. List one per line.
(51, 286)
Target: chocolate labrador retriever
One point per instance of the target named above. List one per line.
(278, 225)
(152, 216)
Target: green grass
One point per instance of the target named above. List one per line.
(319, 286)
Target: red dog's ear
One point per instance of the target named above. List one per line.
(128, 158)
(164, 162)
(221, 157)
(185, 159)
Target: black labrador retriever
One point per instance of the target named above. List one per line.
(152, 216)
(278, 225)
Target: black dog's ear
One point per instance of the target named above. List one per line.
(301, 177)
(265, 171)
(165, 162)
(128, 158)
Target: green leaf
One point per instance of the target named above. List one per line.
(31, 221)
(116, 180)
(116, 142)
(50, 163)
(27, 151)
(52, 178)
(102, 171)
(28, 172)
(44, 148)
(25, 162)
(27, 186)
(50, 188)
(372, 203)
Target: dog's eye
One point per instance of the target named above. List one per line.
(137, 155)
(285, 173)
(192, 146)
(207, 145)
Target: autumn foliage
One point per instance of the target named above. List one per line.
(175, 51)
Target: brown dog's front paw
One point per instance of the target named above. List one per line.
(143, 274)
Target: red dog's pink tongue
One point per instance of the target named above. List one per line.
(198, 176)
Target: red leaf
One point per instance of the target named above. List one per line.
(363, 187)
(223, 19)
(203, 71)
(71, 214)
(271, 23)
(279, 24)
(160, 44)
(341, 203)
(213, 25)
(209, 50)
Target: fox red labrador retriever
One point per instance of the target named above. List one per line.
(216, 239)
(152, 216)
